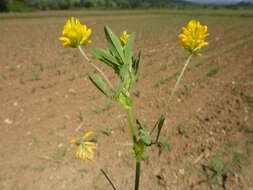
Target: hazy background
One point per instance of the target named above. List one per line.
(220, 1)
(33, 5)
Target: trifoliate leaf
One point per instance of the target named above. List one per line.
(145, 137)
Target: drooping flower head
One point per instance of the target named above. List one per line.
(75, 34)
(193, 37)
(85, 147)
(124, 37)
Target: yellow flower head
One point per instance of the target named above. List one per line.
(124, 37)
(75, 34)
(193, 37)
(85, 148)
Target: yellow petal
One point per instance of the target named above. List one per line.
(193, 36)
(74, 33)
(86, 135)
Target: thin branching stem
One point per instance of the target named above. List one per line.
(179, 79)
(93, 65)
(108, 179)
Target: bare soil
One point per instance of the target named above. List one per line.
(46, 99)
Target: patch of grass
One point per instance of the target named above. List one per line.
(190, 169)
(82, 170)
(92, 97)
(183, 129)
(166, 66)
(61, 154)
(103, 108)
(213, 71)
(80, 115)
(3, 76)
(249, 99)
(151, 62)
(166, 79)
(164, 144)
(39, 67)
(236, 86)
(35, 77)
(232, 144)
(40, 169)
(145, 74)
(217, 172)
(24, 187)
(237, 159)
(106, 131)
(202, 61)
(249, 128)
(249, 147)
(220, 167)
(46, 86)
(72, 77)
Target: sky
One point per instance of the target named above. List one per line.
(220, 1)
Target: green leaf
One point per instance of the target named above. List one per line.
(160, 123)
(119, 89)
(136, 62)
(114, 44)
(145, 137)
(105, 55)
(99, 83)
(107, 58)
(128, 49)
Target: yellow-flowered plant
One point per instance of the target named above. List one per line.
(119, 57)
(85, 147)
(75, 34)
(193, 37)
(124, 37)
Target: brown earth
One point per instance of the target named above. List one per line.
(46, 99)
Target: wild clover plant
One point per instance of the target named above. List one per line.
(120, 58)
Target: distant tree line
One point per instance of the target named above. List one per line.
(28, 5)
(7, 5)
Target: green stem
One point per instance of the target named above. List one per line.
(137, 175)
(93, 65)
(179, 78)
(132, 124)
(133, 129)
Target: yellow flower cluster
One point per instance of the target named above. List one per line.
(85, 148)
(75, 34)
(124, 37)
(193, 37)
